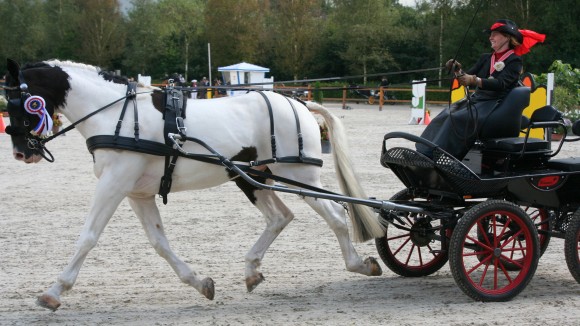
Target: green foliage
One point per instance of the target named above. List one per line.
(317, 95)
(566, 88)
(3, 104)
(313, 38)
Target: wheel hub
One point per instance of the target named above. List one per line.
(422, 233)
(497, 252)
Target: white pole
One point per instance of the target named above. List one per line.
(209, 61)
(550, 88)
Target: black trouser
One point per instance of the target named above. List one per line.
(455, 129)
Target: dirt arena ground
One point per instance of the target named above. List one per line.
(124, 282)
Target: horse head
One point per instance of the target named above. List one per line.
(33, 93)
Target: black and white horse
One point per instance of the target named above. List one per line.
(239, 128)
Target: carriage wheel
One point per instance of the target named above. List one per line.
(483, 240)
(371, 100)
(572, 246)
(410, 247)
(541, 218)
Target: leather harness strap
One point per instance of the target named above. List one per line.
(130, 96)
(174, 113)
(175, 104)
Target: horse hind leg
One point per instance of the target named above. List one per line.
(334, 215)
(148, 214)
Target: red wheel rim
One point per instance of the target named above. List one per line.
(492, 240)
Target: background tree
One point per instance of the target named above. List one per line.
(366, 29)
(61, 29)
(101, 31)
(146, 40)
(235, 30)
(294, 38)
(184, 20)
(23, 34)
(295, 25)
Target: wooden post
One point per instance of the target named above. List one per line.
(381, 99)
(344, 98)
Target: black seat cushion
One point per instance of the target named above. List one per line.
(516, 144)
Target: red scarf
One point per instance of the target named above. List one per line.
(530, 39)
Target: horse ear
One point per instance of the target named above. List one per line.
(13, 68)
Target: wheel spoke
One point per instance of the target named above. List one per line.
(505, 272)
(512, 238)
(493, 223)
(505, 227)
(483, 274)
(431, 251)
(511, 250)
(482, 262)
(401, 247)
(410, 253)
(479, 243)
(399, 236)
(483, 232)
(420, 257)
(495, 274)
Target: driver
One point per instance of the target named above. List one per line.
(493, 76)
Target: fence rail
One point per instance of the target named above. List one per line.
(370, 95)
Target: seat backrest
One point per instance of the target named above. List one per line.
(506, 119)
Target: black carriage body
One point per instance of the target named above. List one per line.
(552, 190)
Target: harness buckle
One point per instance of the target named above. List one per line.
(32, 143)
(181, 128)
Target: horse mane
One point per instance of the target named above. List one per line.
(109, 76)
(72, 64)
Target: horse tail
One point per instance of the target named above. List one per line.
(365, 222)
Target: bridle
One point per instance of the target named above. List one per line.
(17, 109)
(34, 140)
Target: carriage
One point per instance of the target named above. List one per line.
(490, 215)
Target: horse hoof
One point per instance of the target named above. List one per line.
(254, 281)
(376, 269)
(207, 288)
(48, 302)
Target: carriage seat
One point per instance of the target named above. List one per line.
(544, 117)
(516, 145)
(505, 119)
(513, 153)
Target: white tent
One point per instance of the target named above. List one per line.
(246, 73)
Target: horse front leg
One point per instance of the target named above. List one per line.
(104, 204)
(277, 216)
(148, 213)
(335, 217)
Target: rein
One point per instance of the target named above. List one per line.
(74, 124)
